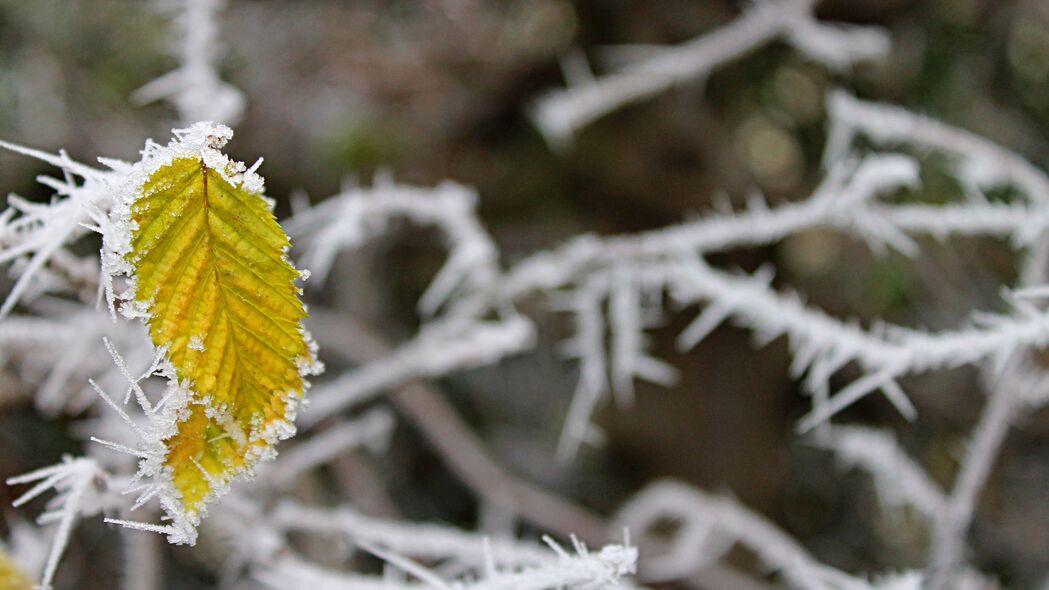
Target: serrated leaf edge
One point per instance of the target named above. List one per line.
(203, 141)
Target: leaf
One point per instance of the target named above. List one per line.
(12, 578)
(211, 274)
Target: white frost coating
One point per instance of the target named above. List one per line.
(194, 88)
(82, 490)
(713, 524)
(437, 350)
(201, 141)
(709, 526)
(373, 429)
(60, 349)
(615, 286)
(631, 272)
(982, 161)
(260, 533)
(428, 541)
(588, 347)
(899, 480)
(560, 113)
(349, 219)
(36, 233)
(583, 571)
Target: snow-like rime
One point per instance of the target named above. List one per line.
(612, 288)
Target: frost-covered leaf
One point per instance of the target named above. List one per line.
(11, 577)
(211, 278)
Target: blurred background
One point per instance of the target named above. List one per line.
(338, 91)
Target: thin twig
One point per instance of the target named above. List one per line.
(465, 455)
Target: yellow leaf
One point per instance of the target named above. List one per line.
(211, 274)
(12, 578)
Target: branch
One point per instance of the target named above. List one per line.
(195, 88)
(466, 456)
(432, 542)
(373, 429)
(822, 344)
(585, 570)
(561, 113)
(355, 215)
(898, 478)
(37, 232)
(438, 349)
(845, 200)
(80, 486)
(712, 525)
(984, 162)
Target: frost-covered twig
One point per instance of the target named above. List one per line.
(36, 232)
(846, 200)
(710, 525)
(195, 88)
(62, 347)
(1016, 385)
(948, 543)
(468, 458)
(463, 452)
(418, 540)
(585, 570)
(983, 162)
(588, 346)
(356, 215)
(707, 527)
(437, 350)
(81, 491)
(373, 429)
(260, 538)
(823, 344)
(560, 113)
(899, 480)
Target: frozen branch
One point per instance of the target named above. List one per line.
(585, 570)
(438, 349)
(709, 526)
(845, 200)
(948, 544)
(467, 457)
(61, 348)
(373, 429)
(983, 162)
(37, 232)
(561, 113)
(432, 542)
(349, 219)
(899, 480)
(195, 88)
(822, 344)
(588, 347)
(80, 487)
(469, 559)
